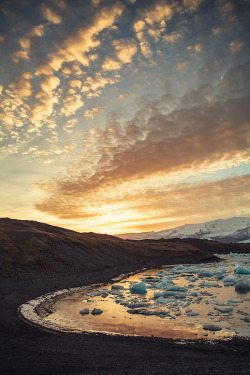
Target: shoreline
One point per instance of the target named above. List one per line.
(27, 350)
(34, 311)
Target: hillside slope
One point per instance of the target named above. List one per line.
(28, 248)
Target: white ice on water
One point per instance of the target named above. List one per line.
(188, 291)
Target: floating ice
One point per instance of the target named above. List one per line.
(96, 311)
(242, 285)
(164, 301)
(176, 288)
(190, 313)
(220, 271)
(117, 287)
(242, 270)
(139, 288)
(84, 311)
(233, 302)
(164, 284)
(211, 327)
(229, 281)
(224, 309)
(209, 285)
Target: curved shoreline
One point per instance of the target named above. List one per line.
(33, 350)
(34, 311)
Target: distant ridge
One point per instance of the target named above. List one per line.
(235, 229)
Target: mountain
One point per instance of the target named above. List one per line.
(30, 248)
(236, 229)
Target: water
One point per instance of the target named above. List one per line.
(178, 303)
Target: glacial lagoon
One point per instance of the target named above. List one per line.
(210, 300)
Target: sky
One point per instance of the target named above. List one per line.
(124, 115)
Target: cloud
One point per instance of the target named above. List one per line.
(201, 133)
(173, 37)
(50, 14)
(70, 124)
(125, 50)
(91, 113)
(92, 85)
(50, 83)
(76, 47)
(192, 5)
(111, 64)
(71, 103)
(236, 45)
(19, 55)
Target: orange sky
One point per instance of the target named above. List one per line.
(124, 115)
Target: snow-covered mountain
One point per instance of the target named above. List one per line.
(236, 229)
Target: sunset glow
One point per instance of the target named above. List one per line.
(124, 115)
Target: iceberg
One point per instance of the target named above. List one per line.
(139, 288)
(84, 311)
(239, 270)
(211, 327)
(96, 311)
(224, 309)
(242, 285)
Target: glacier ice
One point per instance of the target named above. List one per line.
(211, 327)
(117, 287)
(190, 313)
(242, 285)
(241, 270)
(84, 311)
(96, 311)
(224, 309)
(139, 288)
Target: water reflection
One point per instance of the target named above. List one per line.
(179, 302)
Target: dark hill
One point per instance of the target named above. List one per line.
(31, 248)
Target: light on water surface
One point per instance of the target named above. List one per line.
(186, 301)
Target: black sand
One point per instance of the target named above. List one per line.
(28, 350)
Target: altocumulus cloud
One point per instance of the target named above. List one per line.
(138, 107)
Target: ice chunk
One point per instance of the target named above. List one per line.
(220, 271)
(242, 270)
(164, 301)
(139, 288)
(233, 302)
(158, 294)
(84, 311)
(211, 327)
(177, 288)
(209, 285)
(224, 309)
(161, 273)
(242, 285)
(206, 273)
(117, 287)
(164, 284)
(96, 311)
(229, 281)
(190, 313)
